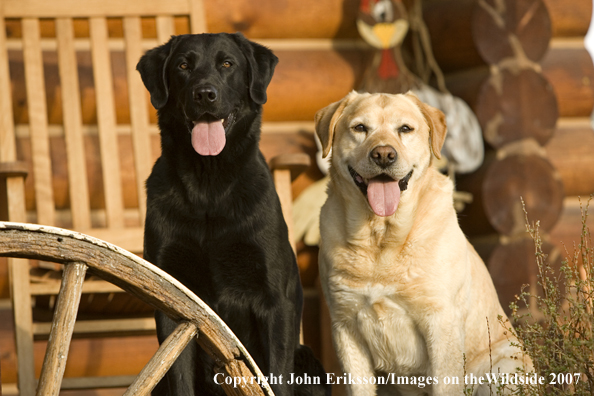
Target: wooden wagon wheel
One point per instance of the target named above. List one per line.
(195, 319)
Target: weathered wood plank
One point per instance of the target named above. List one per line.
(95, 8)
(112, 327)
(106, 121)
(282, 183)
(143, 161)
(165, 28)
(19, 272)
(77, 169)
(7, 138)
(37, 112)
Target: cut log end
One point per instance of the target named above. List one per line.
(530, 178)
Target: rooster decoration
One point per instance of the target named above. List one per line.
(384, 24)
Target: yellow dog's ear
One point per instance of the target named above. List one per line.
(326, 120)
(436, 121)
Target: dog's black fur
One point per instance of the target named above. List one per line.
(215, 222)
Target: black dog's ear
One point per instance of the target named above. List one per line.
(262, 63)
(152, 67)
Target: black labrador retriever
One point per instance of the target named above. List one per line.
(214, 219)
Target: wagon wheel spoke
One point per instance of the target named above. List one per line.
(56, 354)
(161, 362)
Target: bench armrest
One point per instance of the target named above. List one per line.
(297, 163)
(15, 168)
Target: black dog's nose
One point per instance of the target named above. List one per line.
(205, 93)
(384, 156)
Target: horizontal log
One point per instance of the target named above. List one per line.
(467, 84)
(571, 151)
(569, 19)
(568, 66)
(305, 82)
(449, 25)
(328, 18)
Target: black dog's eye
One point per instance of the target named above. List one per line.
(183, 66)
(227, 64)
(405, 129)
(360, 128)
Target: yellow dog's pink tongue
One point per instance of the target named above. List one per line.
(208, 138)
(383, 196)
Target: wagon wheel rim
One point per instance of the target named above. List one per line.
(80, 254)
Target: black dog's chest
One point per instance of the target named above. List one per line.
(210, 243)
(209, 266)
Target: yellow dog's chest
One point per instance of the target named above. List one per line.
(375, 293)
(361, 265)
(379, 315)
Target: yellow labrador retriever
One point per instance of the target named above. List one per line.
(408, 294)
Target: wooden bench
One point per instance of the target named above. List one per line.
(83, 175)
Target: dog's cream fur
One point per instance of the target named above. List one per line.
(407, 293)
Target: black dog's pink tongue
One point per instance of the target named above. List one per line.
(208, 138)
(383, 196)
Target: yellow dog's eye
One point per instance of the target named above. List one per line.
(227, 64)
(360, 128)
(183, 66)
(405, 129)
